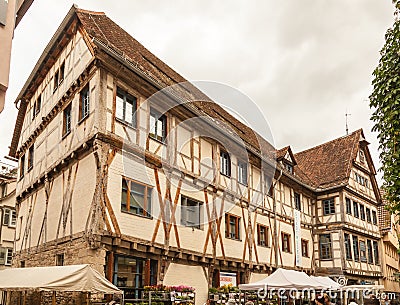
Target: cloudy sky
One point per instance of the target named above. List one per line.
(304, 63)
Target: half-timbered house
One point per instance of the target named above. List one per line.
(108, 178)
(347, 200)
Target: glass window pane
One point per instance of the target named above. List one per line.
(129, 113)
(120, 107)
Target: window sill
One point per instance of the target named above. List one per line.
(139, 215)
(83, 119)
(125, 123)
(326, 259)
(225, 175)
(65, 135)
(241, 183)
(236, 239)
(157, 140)
(264, 246)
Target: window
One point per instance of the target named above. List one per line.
(136, 198)
(3, 253)
(348, 206)
(376, 252)
(363, 251)
(355, 249)
(36, 107)
(361, 156)
(325, 246)
(30, 157)
(368, 212)
(225, 161)
(242, 172)
(9, 255)
(84, 103)
(297, 201)
(126, 108)
(232, 226)
(60, 260)
(304, 248)
(22, 167)
(59, 76)
(9, 217)
(158, 126)
(361, 180)
(355, 210)
(262, 235)
(191, 211)
(286, 242)
(289, 167)
(347, 245)
(362, 212)
(370, 252)
(67, 120)
(374, 219)
(329, 206)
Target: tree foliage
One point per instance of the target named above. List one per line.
(385, 101)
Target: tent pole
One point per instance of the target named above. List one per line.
(88, 298)
(53, 299)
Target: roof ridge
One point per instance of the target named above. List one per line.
(333, 140)
(80, 10)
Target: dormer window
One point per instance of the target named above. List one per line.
(288, 167)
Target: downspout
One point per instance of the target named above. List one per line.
(276, 221)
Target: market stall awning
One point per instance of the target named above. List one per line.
(56, 278)
(283, 278)
(327, 281)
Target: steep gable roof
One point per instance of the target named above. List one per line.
(103, 32)
(284, 152)
(329, 164)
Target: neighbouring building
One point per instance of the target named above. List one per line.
(390, 230)
(107, 177)
(8, 182)
(11, 13)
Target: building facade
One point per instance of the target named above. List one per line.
(108, 176)
(390, 230)
(8, 217)
(11, 13)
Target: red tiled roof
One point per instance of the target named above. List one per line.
(101, 28)
(329, 164)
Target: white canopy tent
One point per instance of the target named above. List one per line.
(56, 278)
(327, 281)
(283, 278)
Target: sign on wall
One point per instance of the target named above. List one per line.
(3, 11)
(226, 278)
(297, 237)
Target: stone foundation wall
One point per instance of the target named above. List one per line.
(76, 251)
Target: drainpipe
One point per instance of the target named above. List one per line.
(276, 221)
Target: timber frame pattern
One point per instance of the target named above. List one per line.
(103, 227)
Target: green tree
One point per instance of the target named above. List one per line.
(385, 102)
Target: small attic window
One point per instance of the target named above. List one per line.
(289, 167)
(361, 156)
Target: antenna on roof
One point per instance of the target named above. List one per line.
(347, 125)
